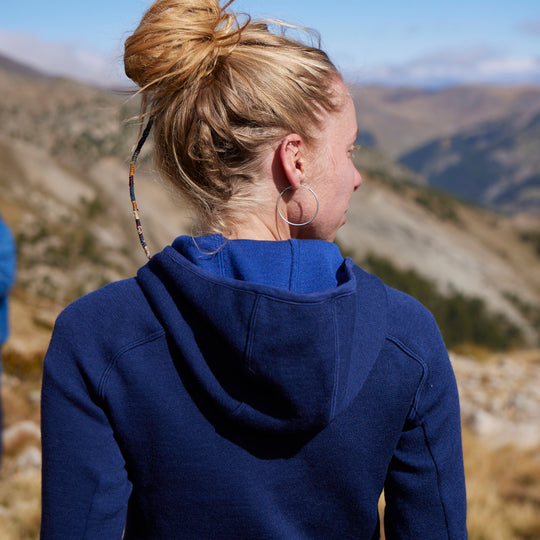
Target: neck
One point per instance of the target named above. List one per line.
(260, 227)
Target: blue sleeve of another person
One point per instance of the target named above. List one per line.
(7, 275)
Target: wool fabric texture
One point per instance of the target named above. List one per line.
(246, 389)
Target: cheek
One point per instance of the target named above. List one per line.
(325, 164)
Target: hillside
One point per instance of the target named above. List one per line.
(64, 150)
(478, 143)
(495, 164)
(7, 64)
(460, 248)
(402, 119)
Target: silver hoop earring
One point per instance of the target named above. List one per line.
(290, 222)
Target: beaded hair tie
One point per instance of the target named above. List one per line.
(132, 188)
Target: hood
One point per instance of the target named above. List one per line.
(265, 358)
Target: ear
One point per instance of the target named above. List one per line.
(291, 153)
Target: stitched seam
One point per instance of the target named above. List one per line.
(292, 272)
(425, 370)
(251, 332)
(441, 501)
(134, 344)
(90, 510)
(221, 263)
(337, 361)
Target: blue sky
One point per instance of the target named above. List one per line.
(426, 43)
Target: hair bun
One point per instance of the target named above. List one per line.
(179, 42)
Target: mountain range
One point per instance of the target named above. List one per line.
(495, 164)
(64, 160)
(481, 144)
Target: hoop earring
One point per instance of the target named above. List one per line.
(290, 222)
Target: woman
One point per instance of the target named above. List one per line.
(248, 382)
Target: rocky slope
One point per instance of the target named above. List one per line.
(458, 247)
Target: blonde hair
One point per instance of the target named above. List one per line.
(221, 89)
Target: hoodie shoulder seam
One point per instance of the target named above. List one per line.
(337, 353)
(124, 349)
(419, 360)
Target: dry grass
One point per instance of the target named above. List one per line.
(503, 491)
(19, 503)
(20, 476)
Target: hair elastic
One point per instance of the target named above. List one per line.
(132, 186)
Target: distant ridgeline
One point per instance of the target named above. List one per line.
(366, 139)
(496, 165)
(480, 143)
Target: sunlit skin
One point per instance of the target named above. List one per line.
(332, 175)
(326, 167)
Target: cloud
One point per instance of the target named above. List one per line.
(531, 27)
(61, 59)
(470, 66)
(442, 68)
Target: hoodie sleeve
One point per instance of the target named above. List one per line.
(425, 485)
(7, 260)
(85, 487)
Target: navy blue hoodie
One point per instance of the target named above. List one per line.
(244, 389)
